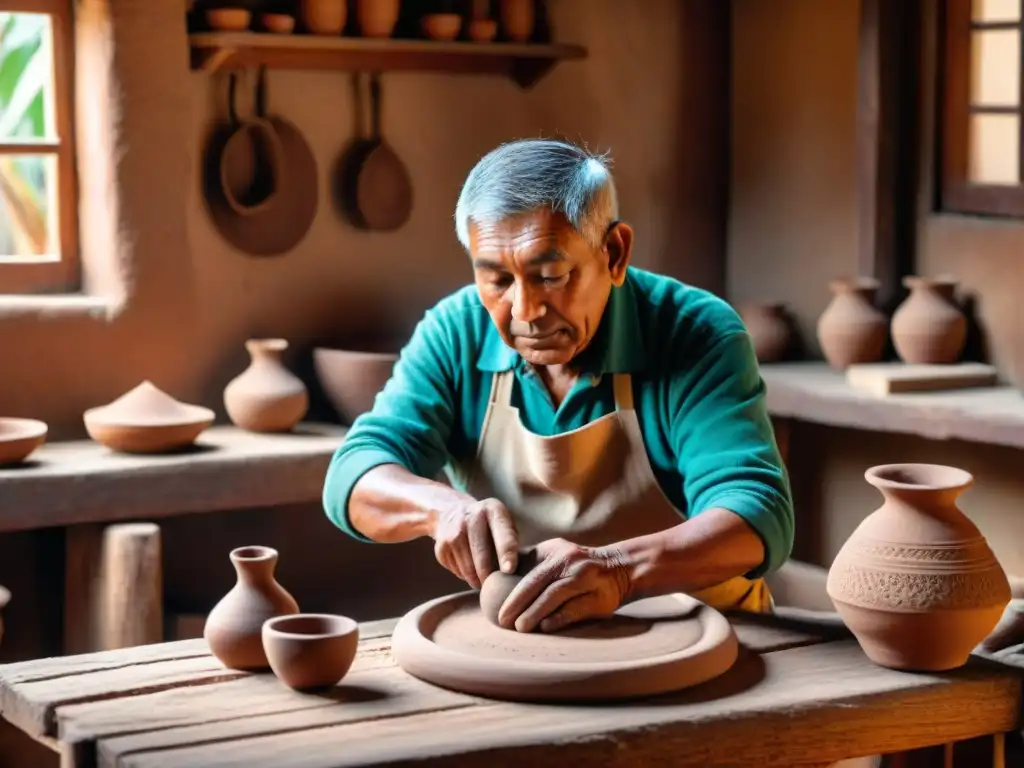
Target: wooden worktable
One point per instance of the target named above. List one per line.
(795, 698)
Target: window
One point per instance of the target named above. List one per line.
(983, 125)
(38, 204)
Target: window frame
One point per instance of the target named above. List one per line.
(60, 275)
(957, 193)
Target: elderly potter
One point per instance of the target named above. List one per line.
(611, 418)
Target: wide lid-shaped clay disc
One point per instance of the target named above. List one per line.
(148, 406)
(650, 647)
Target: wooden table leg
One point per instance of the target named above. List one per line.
(113, 587)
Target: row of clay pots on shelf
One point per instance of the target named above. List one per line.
(927, 327)
(266, 397)
(377, 19)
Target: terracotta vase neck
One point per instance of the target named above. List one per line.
(861, 288)
(266, 349)
(254, 565)
(929, 488)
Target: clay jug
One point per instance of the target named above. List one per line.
(234, 627)
(852, 330)
(929, 327)
(266, 396)
(323, 17)
(916, 582)
(377, 18)
(517, 19)
(769, 329)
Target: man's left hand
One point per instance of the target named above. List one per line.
(568, 585)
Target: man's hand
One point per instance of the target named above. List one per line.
(1008, 632)
(469, 537)
(568, 585)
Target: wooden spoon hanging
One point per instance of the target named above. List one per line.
(383, 190)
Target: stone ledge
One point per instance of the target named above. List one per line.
(815, 393)
(68, 483)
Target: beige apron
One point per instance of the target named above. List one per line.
(593, 486)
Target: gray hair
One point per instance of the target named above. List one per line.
(532, 174)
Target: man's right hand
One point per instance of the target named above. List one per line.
(471, 540)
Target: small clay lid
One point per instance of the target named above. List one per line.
(148, 406)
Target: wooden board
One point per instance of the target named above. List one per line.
(801, 706)
(882, 379)
(796, 698)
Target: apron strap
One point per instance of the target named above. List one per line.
(501, 387)
(623, 384)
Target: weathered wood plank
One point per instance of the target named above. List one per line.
(796, 707)
(200, 718)
(80, 481)
(59, 666)
(30, 697)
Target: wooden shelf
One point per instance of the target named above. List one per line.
(523, 63)
(815, 393)
(80, 481)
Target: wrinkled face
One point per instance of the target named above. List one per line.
(544, 287)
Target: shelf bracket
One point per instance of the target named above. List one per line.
(528, 72)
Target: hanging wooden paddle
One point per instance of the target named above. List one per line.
(382, 189)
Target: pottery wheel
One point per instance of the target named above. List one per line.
(649, 647)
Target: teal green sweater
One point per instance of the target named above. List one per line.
(697, 391)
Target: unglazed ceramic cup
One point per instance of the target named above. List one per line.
(310, 650)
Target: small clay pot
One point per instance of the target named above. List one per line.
(518, 19)
(482, 30)
(234, 627)
(310, 650)
(929, 327)
(278, 23)
(351, 379)
(19, 438)
(266, 396)
(229, 19)
(769, 329)
(916, 582)
(852, 330)
(377, 18)
(323, 17)
(441, 26)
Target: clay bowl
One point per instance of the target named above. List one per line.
(229, 19)
(482, 30)
(352, 379)
(146, 420)
(18, 438)
(310, 650)
(279, 23)
(442, 26)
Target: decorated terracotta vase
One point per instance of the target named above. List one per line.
(266, 396)
(852, 330)
(916, 582)
(929, 327)
(769, 330)
(234, 627)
